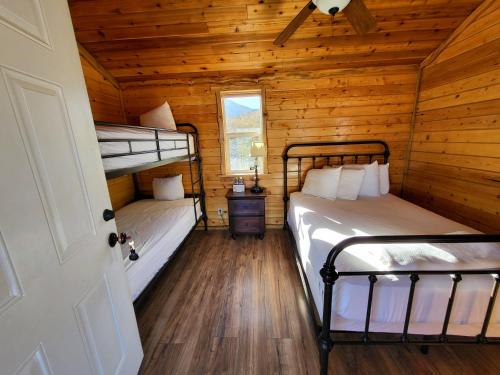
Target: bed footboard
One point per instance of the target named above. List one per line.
(330, 275)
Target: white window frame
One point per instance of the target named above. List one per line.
(225, 135)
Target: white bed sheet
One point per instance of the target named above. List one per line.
(107, 148)
(318, 224)
(157, 229)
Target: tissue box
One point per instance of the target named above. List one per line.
(238, 188)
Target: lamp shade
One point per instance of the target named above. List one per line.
(258, 149)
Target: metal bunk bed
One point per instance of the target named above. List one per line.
(327, 335)
(185, 146)
(191, 157)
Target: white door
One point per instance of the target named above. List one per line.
(65, 305)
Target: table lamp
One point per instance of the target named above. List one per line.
(258, 150)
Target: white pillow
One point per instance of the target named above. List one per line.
(159, 117)
(383, 170)
(322, 182)
(350, 183)
(371, 181)
(168, 188)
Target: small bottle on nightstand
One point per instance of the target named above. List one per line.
(238, 185)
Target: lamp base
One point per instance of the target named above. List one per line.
(256, 190)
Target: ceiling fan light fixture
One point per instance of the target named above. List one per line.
(355, 11)
(328, 6)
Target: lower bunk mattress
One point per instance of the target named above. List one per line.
(157, 229)
(319, 224)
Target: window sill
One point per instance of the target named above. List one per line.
(252, 174)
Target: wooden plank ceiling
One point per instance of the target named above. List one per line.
(157, 39)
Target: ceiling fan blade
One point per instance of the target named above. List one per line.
(295, 23)
(360, 17)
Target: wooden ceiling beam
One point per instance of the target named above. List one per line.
(97, 65)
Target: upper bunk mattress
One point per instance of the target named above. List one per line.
(319, 224)
(157, 229)
(168, 140)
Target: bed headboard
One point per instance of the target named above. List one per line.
(317, 154)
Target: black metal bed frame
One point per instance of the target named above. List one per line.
(328, 337)
(199, 197)
(179, 144)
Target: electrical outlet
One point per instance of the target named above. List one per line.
(220, 211)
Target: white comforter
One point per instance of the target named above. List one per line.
(157, 229)
(318, 224)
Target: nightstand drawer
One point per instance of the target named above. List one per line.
(246, 207)
(248, 224)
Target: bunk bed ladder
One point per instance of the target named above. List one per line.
(200, 196)
(201, 186)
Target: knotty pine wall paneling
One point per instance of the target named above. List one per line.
(318, 105)
(454, 166)
(105, 98)
(106, 104)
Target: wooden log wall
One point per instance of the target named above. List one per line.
(105, 98)
(337, 104)
(121, 191)
(106, 104)
(454, 166)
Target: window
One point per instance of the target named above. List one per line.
(242, 123)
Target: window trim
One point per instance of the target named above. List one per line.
(224, 162)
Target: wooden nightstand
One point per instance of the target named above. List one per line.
(247, 213)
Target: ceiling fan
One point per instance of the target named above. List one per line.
(355, 10)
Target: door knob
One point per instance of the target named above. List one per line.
(108, 214)
(114, 238)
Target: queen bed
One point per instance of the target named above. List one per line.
(319, 224)
(382, 265)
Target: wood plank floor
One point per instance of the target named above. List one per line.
(237, 307)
